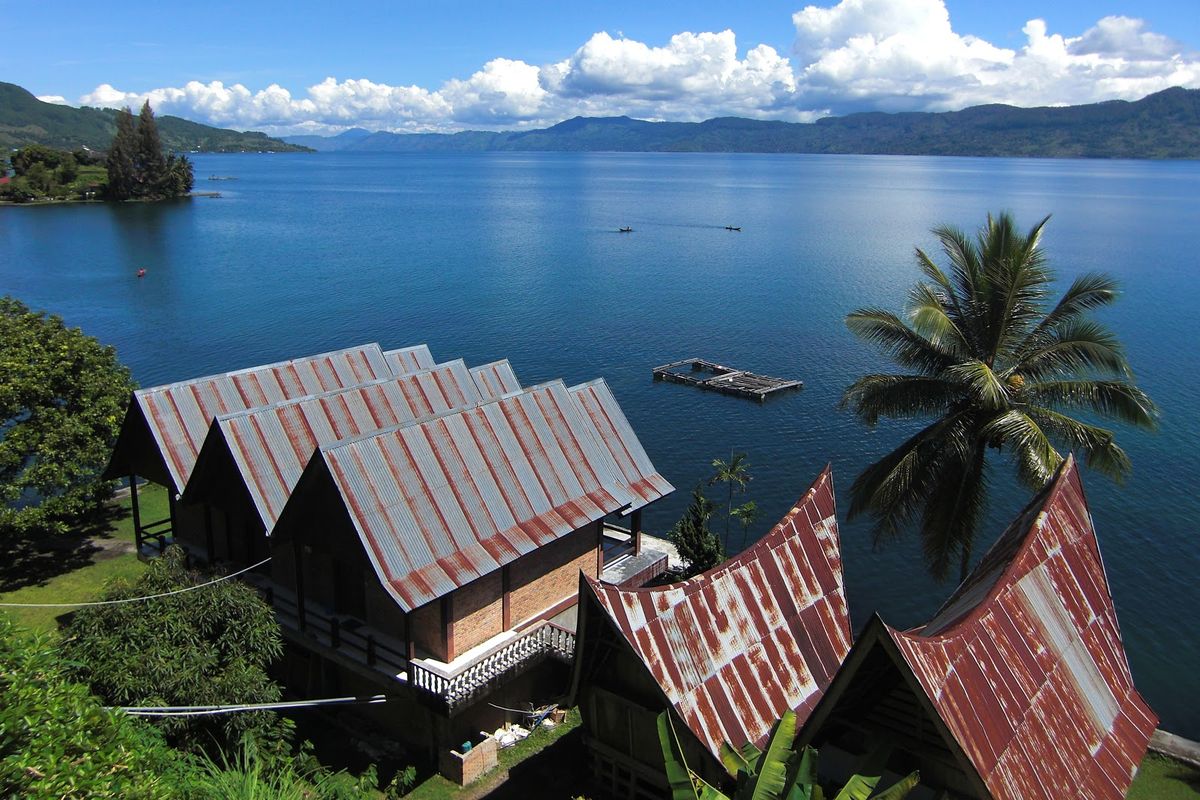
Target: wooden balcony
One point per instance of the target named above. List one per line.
(477, 672)
(358, 645)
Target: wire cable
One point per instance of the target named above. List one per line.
(202, 711)
(137, 599)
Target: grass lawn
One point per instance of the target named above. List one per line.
(56, 579)
(511, 760)
(1162, 778)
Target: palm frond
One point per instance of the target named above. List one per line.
(984, 385)
(1032, 450)
(952, 510)
(773, 766)
(1017, 281)
(1072, 347)
(899, 342)
(932, 317)
(1097, 444)
(900, 397)
(965, 266)
(1086, 293)
(1119, 400)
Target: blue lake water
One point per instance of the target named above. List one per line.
(517, 256)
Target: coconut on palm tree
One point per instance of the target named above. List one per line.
(997, 369)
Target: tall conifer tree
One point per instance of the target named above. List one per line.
(150, 163)
(121, 171)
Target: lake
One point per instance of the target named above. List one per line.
(516, 255)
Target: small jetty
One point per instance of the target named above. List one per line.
(720, 378)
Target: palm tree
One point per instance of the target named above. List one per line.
(995, 370)
(733, 473)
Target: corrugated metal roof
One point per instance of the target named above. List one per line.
(597, 403)
(764, 632)
(440, 502)
(272, 445)
(495, 379)
(409, 359)
(1025, 664)
(179, 414)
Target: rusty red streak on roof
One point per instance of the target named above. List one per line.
(736, 646)
(442, 501)
(1025, 664)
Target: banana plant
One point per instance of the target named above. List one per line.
(777, 773)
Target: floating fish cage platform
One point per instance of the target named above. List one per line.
(719, 378)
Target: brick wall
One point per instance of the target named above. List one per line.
(550, 574)
(425, 627)
(478, 612)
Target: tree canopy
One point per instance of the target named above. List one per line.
(698, 546)
(997, 368)
(61, 403)
(137, 167)
(210, 646)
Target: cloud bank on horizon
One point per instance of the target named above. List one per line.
(888, 55)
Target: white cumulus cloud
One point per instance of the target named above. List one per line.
(847, 56)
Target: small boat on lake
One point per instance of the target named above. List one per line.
(737, 228)
(624, 230)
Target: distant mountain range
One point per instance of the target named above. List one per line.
(26, 120)
(1162, 125)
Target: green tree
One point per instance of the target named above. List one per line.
(122, 174)
(61, 403)
(177, 178)
(997, 370)
(735, 474)
(211, 646)
(747, 514)
(57, 741)
(68, 169)
(698, 546)
(32, 154)
(150, 165)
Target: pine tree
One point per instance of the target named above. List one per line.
(150, 165)
(697, 545)
(121, 172)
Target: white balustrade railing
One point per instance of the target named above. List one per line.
(546, 639)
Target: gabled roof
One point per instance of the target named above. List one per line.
(597, 403)
(1024, 665)
(495, 379)
(440, 502)
(409, 359)
(271, 445)
(178, 415)
(734, 647)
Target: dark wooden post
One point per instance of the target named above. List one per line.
(599, 547)
(410, 646)
(299, 565)
(208, 534)
(137, 513)
(335, 632)
(171, 501)
(635, 527)
(506, 602)
(228, 537)
(448, 624)
(370, 649)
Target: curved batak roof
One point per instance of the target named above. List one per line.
(271, 446)
(409, 359)
(735, 647)
(1025, 665)
(440, 502)
(597, 403)
(495, 379)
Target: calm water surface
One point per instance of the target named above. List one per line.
(516, 255)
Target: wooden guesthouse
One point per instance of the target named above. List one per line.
(423, 525)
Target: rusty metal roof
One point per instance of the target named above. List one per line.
(734, 647)
(597, 403)
(409, 359)
(1025, 664)
(495, 379)
(440, 502)
(179, 414)
(272, 445)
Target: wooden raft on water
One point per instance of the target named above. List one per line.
(719, 378)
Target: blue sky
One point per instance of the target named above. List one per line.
(302, 65)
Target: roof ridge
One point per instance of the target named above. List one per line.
(245, 370)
